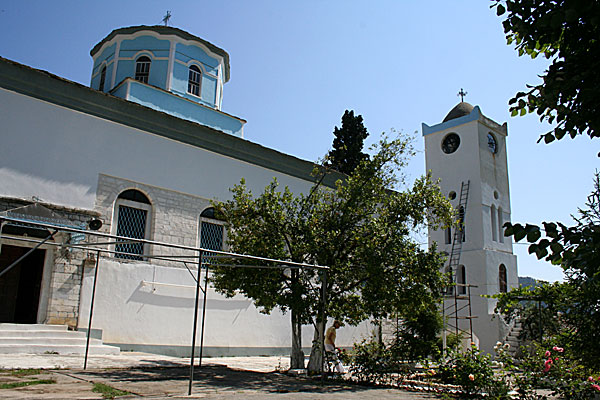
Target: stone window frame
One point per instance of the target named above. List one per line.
(214, 221)
(133, 204)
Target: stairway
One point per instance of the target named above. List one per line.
(513, 338)
(48, 339)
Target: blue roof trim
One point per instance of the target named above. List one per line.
(473, 116)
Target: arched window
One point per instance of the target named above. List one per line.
(502, 279)
(500, 223)
(461, 222)
(132, 210)
(461, 280)
(494, 226)
(212, 232)
(448, 235)
(102, 79)
(142, 69)
(194, 78)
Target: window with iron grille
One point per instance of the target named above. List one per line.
(142, 69)
(132, 209)
(194, 78)
(211, 233)
(102, 79)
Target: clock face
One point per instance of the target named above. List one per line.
(450, 143)
(492, 144)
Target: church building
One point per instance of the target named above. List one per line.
(144, 150)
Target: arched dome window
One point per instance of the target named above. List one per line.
(102, 79)
(142, 69)
(194, 79)
(132, 212)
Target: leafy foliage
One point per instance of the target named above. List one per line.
(472, 370)
(576, 302)
(348, 144)
(567, 32)
(359, 229)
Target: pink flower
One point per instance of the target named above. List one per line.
(559, 349)
(472, 377)
(556, 359)
(591, 379)
(547, 365)
(596, 387)
(548, 354)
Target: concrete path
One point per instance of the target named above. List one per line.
(157, 377)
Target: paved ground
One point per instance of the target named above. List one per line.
(157, 377)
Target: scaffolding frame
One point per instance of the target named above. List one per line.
(203, 258)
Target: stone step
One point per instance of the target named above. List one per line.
(76, 341)
(40, 334)
(57, 348)
(41, 339)
(31, 327)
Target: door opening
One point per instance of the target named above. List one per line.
(20, 287)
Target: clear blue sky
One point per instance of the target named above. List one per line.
(296, 66)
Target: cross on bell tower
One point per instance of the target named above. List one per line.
(462, 94)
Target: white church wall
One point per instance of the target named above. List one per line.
(56, 154)
(159, 318)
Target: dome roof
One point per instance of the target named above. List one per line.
(165, 30)
(460, 110)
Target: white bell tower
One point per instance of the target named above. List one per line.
(467, 152)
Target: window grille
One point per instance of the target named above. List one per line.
(194, 80)
(211, 237)
(142, 69)
(131, 223)
(102, 79)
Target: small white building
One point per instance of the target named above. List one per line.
(467, 153)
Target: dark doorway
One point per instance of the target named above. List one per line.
(20, 287)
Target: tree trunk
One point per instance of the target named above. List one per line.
(297, 355)
(315, 361)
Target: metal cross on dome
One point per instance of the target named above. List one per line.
(166, 18)
(462, 94)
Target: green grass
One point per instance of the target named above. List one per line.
(26, 372)
(13, 385)
(108, 392)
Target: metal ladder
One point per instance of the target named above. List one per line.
(454, 308)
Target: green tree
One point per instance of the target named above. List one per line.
(567, 32)
(360, 229)
(348, 143)
(576, 301)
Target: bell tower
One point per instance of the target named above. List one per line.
(467, 153)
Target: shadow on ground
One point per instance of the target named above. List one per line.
(211, 378)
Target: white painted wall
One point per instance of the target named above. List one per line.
(56, 154)
(130, 312)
